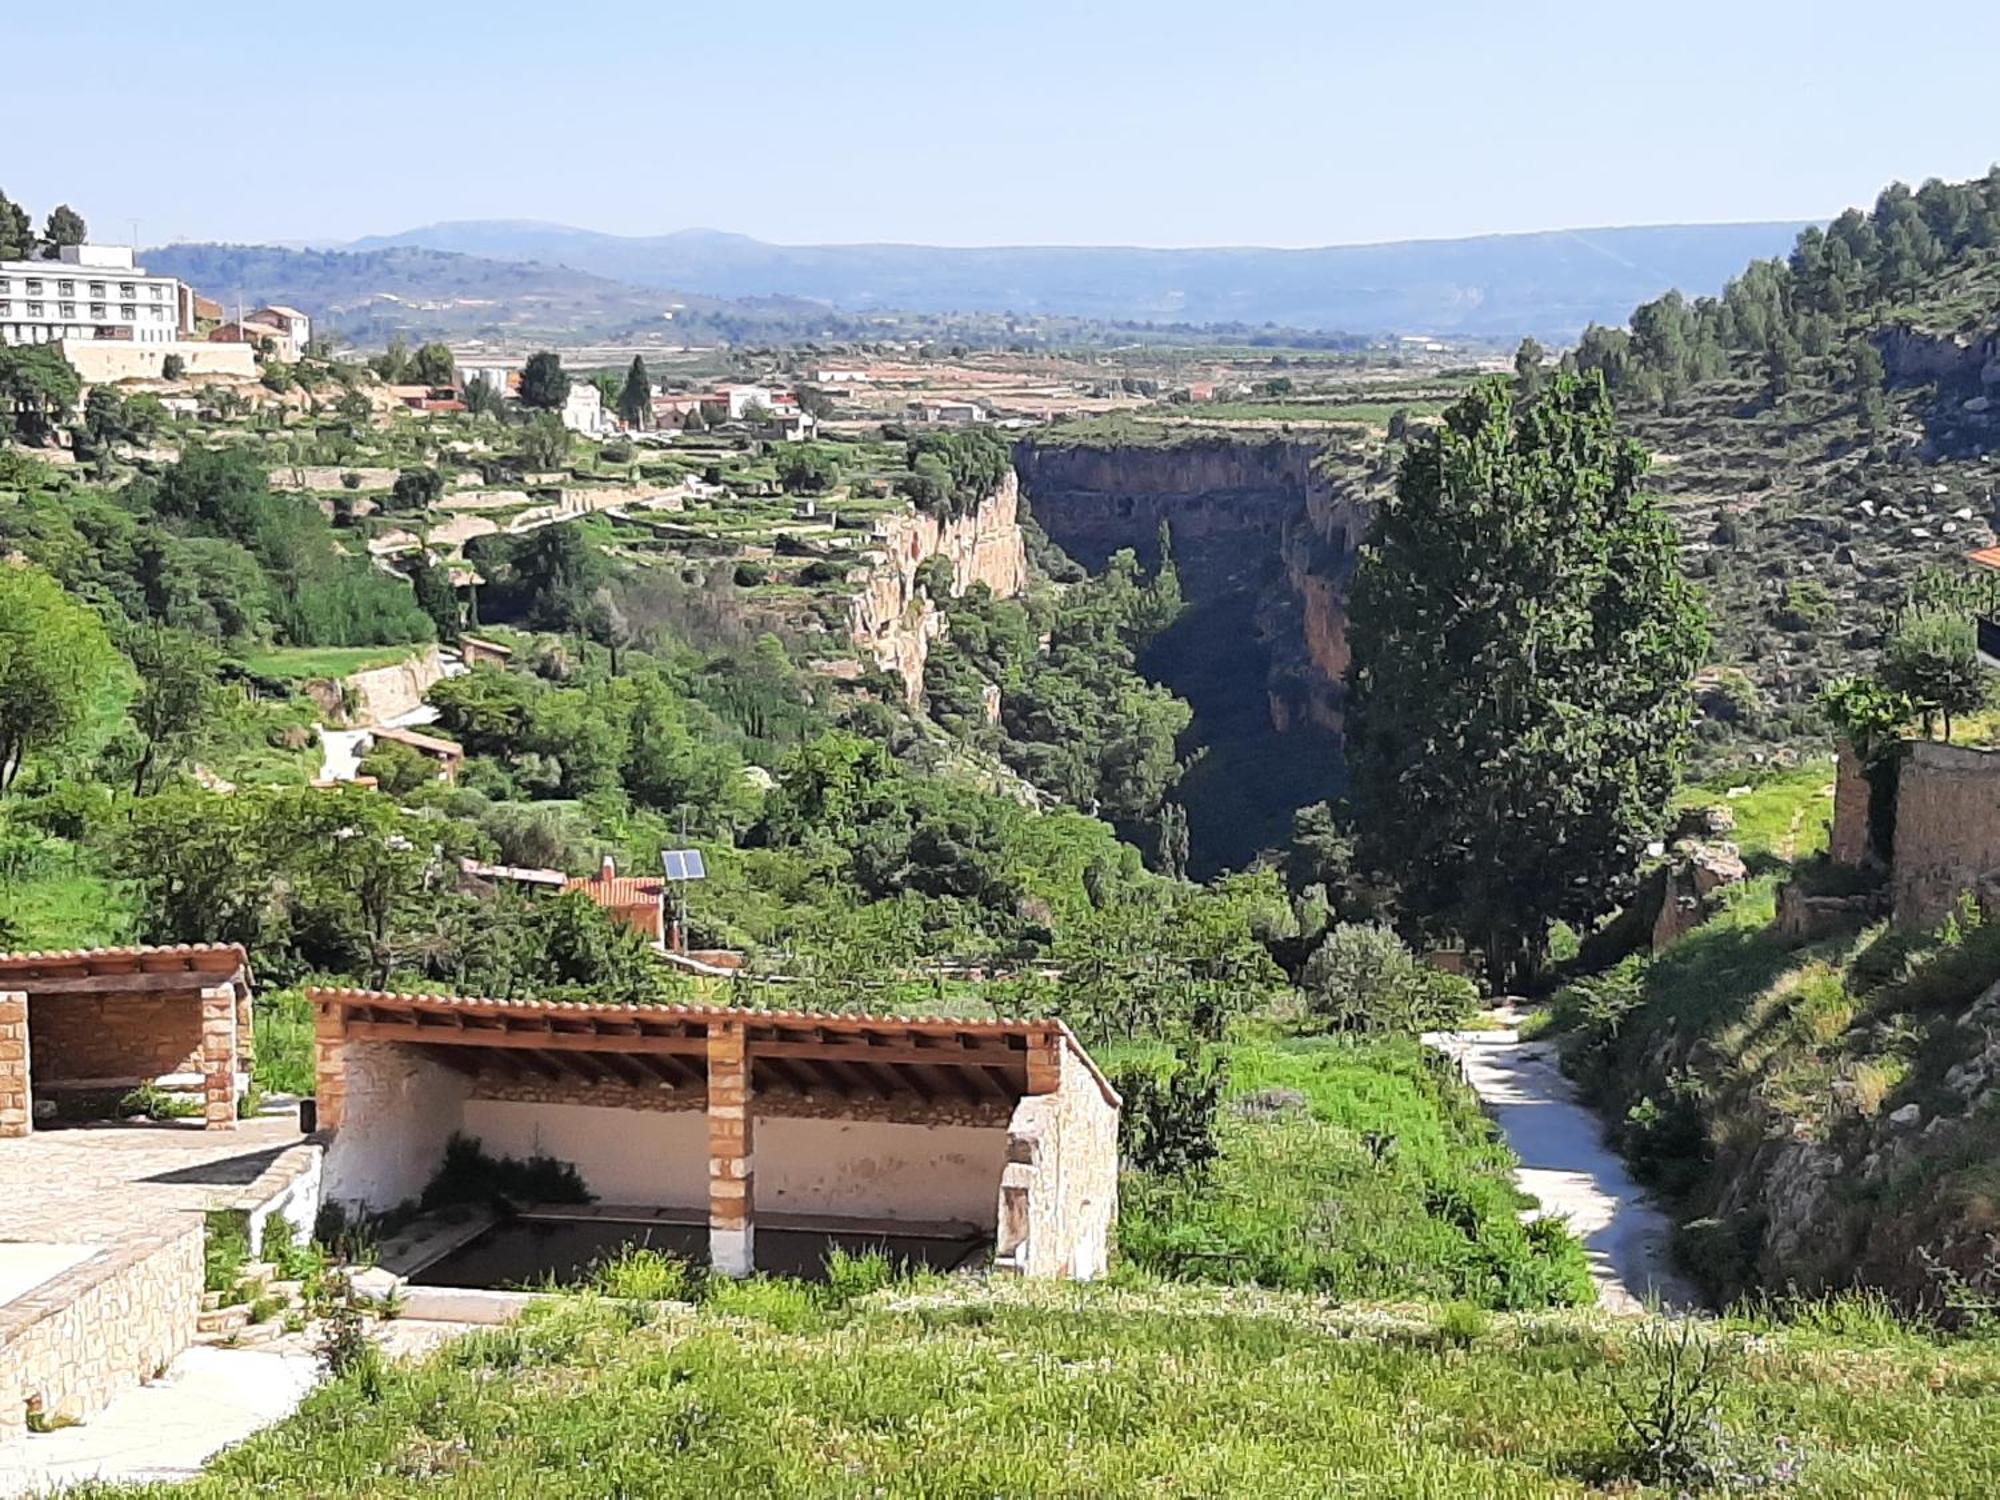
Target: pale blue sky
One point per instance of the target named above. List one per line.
(1176, 122)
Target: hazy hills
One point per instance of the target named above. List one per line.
(1499, 286)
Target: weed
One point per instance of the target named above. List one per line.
(1461, 1323)
(646, 1275)
(226, 1248)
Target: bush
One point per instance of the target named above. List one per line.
(469, 1175)
(646, 1275)
(173, 367)
(1362, 978)
(1168, 1124)
(750, 573)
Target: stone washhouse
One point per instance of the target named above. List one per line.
(730, 1119)
(88, 1027)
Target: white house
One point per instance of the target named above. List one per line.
(294, 326)
(956, 413)
(584, 410)
(88, 292)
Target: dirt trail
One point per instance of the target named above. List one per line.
(1568, 1168)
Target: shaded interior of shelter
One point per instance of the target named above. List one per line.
(550, 1248)
(689, 1128)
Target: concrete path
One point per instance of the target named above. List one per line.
(209, 1399)
(1568, 1168)
(166, 1429)
(341, 749)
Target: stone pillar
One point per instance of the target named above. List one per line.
(17, 1105)
(732, 1230)
(329, 1064)
(218, 1055)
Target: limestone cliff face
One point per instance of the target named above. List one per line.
(891, 620)
(1263, 515)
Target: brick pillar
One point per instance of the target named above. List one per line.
(218, 1055)
(1045, 1063)
(732, 1230)
(17, 1107)
(246, 1041)
(329, 1064)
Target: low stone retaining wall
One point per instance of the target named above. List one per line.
(76, 1341)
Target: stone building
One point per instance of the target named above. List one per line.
(997, 1132)
(99, 1023)
(1943, 829)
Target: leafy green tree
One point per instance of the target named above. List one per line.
(635, 399)
(65, 227)
(544, 442)
(481, 399)
(431, 582)
(17, 230)
(1932, 658)
(416, 489)
(432, 365)
(807, 469)
(544, 386)
(1519, 693)
(1530, 368)
(178, 702)
(40, 385)
(55, 661)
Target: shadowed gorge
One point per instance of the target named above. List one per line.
(1264, 532)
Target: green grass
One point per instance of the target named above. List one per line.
(939, 1390)
(283, 1029)
(299, 663)
(68, 909)
(1363, 1169)
(1785, 816)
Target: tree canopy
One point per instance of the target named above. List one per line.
(1519, 692)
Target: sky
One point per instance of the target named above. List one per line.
(1174, 122)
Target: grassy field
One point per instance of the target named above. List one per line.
(1363, 1169)
(1008, 1389)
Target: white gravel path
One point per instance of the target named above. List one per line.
(1569, 1169)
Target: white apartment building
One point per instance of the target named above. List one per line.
(91, 292)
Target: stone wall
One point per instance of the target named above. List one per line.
(1947, 829)
(16, 1086)
(1849, 842)
(1059, 1191)
(891, 620)
(392, 1109)
(68, 1346)
(101, 361)
(380, 693)
(115, 1037)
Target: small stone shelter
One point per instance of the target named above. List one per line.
(104, 1021)
(807, 1122)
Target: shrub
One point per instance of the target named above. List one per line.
(1362, 978)
(469, 1175)
(750, 573)
(646, 1275)
(349, 480)
(173, 367)
(1168, 1124)
(1667, 1395)
(225, 1248)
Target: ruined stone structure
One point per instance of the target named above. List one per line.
(891, 620)
(821, 1123)
(104, 1021)
(1947, 827)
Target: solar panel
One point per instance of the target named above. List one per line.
(683, 864)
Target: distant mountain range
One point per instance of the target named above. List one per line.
(1550, 284)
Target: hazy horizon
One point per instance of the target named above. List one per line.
(1282, 126)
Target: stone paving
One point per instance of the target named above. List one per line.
(98, 1184)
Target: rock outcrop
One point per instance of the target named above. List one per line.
(891, 619)
(1266, 515)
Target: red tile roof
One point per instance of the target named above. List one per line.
(1986, 557)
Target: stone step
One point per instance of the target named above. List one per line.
(260, 1333)
(259, 1272)
(210, 1301)
(222, 1320)
(285, 1291)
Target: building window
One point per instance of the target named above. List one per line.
(65, 288)
(127, 311)
(157, 290)
(34, 286)
(97, 309)
(125, 289)
(97, 289)
(66, 310)
(35, 309)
